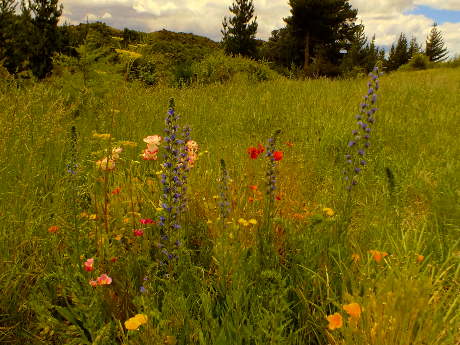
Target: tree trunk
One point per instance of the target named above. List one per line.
(306, 62)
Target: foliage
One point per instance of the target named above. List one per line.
(417, 62)
(239, 31)
(220, 68)
(434, 45)
(322, 29)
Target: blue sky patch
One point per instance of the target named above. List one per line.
(438, 16)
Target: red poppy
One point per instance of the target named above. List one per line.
(278, 155)
(138, 232)
(253, 152)
(260, 149)
(278, 197)
(116, 191)
(147, 221)
(253, 187)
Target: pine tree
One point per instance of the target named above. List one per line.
(45, 36)
(414, 47)
(7, 20)
(399, 54)
(434, 47)
(240, 30)
(322, 27)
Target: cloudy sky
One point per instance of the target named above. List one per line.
(384, 18)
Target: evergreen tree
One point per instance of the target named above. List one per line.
(399, 54)
(434, 47)
(239, 31)
(414, 47)
(45, 36)
(322, 28)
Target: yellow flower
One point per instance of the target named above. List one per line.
(243, 222)
(420, 258)
(252, 221)
(135, 322)
(335, 321)
(103, 136)
(93, 216)
(329, 211)
(128, 143)
(353, 309)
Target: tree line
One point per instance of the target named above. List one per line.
(321, 37)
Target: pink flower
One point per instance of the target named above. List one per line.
(138, 232)
(147, 221)
(104, 279)
(93, 283)
(150, 155)
(88, 265)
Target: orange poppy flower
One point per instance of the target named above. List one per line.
(377, 255)
(335, 321)
(353, 309)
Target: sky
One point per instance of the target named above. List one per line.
(385, 19)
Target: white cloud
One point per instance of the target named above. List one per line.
(384, 18)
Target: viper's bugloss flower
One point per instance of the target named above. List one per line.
(361, 137)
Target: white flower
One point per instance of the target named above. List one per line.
(153, 140)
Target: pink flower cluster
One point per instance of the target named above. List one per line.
(103, 279)
(151, 151)
(192, 152)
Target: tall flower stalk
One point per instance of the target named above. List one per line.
(360, 143)
(173, 180)
(224, 203)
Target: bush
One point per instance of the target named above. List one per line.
(219, 68)
(417, 62)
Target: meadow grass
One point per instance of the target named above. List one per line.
(220, 290)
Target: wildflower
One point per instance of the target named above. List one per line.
(101, 136)
(278, 197)
(278, 155)
(135, 322)
(355, 257)
(335, 321)
(142, 289)
(106, 164)
(116, 152)
(148, 155)
(353, 310)
(377, 255)
(93, 283)
(420, 258)
(251, 199)
(104, 279)
(252, 221)
(153, 140)
(113, 259)
(243, 222)
(253, 152)
(328, 211)
(289, 144)
(146, 221)
(116, 191)
(253, 188)
(88, 265)
(191, 147)
(365, 120)
(224, 203)
(53, 229)
(128, 143)
(138, 232)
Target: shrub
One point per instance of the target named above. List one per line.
(221, 68)
(417, 62)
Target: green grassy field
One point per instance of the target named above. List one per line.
(272, 271)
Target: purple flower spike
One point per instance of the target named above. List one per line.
(351, 143)
(361, 152)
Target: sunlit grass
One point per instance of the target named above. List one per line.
(406, 204)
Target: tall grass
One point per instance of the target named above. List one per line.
(218, 292)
